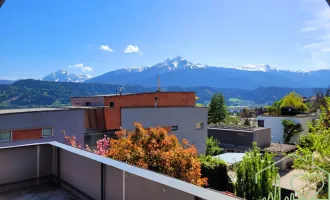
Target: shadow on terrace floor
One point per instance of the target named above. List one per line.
(46, 191)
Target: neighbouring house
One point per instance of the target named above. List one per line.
(236, 140)
(276, 127)
(175, 111)
(280, 151)
(33, 125)
(239, 139)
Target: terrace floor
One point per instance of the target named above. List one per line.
(44, 192)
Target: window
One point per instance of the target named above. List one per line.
(199, 125)
(156, 101)
(261, 123)
(112, 104)
(46, 132)
(175, 128)
(5, 136)
(88, 103)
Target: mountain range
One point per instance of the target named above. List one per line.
(181, 72)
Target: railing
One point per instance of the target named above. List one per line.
(90, 176)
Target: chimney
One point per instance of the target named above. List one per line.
(158, 83)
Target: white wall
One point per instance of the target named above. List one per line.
(276, 127)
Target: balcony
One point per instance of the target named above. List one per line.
(57, 169)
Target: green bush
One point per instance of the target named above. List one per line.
(212, 147)
(215, 170)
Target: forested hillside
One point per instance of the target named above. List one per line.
(34, 93)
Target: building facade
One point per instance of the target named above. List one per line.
(276, 127)
(175, 111)
(239, 139)
(24, 126)
(185, 122)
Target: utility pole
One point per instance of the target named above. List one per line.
(158, 83)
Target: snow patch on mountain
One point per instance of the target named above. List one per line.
(65, 76)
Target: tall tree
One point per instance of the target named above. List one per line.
(217, 109)
(252, 163)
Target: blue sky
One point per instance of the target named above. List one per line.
(38, 37)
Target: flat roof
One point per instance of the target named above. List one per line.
(126, 94)
(235, 128)
(280, 148)
(29, 110)
(290, 116)
(231, 158)
(85, 107)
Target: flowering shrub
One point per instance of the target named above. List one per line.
(152, 149)
(102, 145)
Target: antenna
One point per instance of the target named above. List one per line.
(158, 83)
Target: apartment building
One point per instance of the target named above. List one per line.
(175, 111)
(33, 125)
(276, 127)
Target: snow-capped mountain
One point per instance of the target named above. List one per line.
(251, 67)
(180, 72)
(65, 76)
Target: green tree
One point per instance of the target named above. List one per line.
(247, 122)
(212, 147)
(290, 129)
(294, 100)
(246, 170)
(275, 108)
(217, 109)
(215, 170)
(316, 144)
(232, 120)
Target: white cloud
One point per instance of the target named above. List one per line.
(132, 49)
(317, 30)
(105, 48)
(87, 69)
(82, 67)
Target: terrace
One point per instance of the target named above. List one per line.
(54, 170)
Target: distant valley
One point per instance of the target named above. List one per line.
(36, 93)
